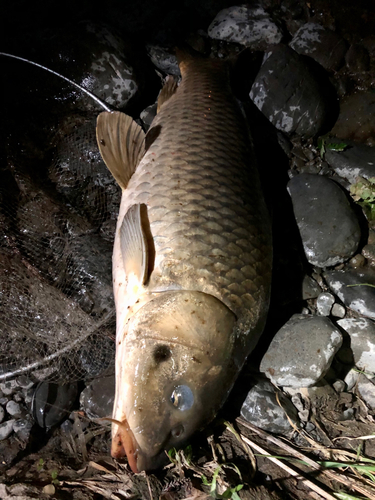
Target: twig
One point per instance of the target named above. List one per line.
(290, 471)
(346, 480)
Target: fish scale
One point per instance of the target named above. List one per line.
(205, 208)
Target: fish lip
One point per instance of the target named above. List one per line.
(125, 444)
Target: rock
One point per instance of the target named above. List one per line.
(357, 58)
(13, 409)
(52, 403)
(6, 429)
(2, 414)
(360, 297)
(147, 115)
(339, 386)
(97, 58)
(163, 60)
(351, 379)
(357, 261)
(338, 311)
(8, 387)
(356, 121)
(310, 288)
(249, 25)
(324, 303)
(325, 46)
(22, 428)
(366, 389)
(262, 409)
(302, 351)
(328, 226)
(355, 161)
(289, 94)
(362, 341)
(98, 398)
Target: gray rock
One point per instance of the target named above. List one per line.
(9, 387)
(357, 58)
(13, 409)
(98, 398)
(328, 226)
(302, 351)
(362, 341)
(310, 288)
(366, 389)
(2, 414)
(338, 311)
(147, 115)
(356, 121)
(262, 409)
(163, 60)
(323, 45)
(355, 161)
(324, 303)
(289, 94)
(6, 429)
(339, 386)
(249, 25)
(22, 427)
(351, 379)
(360, 297)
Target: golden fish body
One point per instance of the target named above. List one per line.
(191, 261)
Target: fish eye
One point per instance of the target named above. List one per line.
(182, 397)
(161, 353)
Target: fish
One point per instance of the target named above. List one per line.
(192, 260)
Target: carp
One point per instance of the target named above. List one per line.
(191, 260)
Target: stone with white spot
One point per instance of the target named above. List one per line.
(324, 303)
(301, 352)
(362, 341)
(23, 427)
(6, 429)
(323, 45)
(9, 387)
(262, 409)
(163, 59)
(328, 226)
(290, 95)
(249, 25)
(351, 379)
(147, 115)
(357, 160)
(97, 58)
(355, 288)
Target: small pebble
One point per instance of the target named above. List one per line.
(339, 386)
(49, 489)
(310, 427)
(338, 311)
(357, 261)
(347, 414)
(9, 387)
(6, 429)
(324, 303)
(14, 409)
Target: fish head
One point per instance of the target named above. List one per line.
(174, 371)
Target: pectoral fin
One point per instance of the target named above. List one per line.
(121, 144)
(137, 244)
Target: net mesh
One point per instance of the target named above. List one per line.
(57, 222)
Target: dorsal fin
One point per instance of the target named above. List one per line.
(166, 92)
(121, 144)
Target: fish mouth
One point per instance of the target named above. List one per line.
(125, 444)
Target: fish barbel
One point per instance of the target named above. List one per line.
(191, 261)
